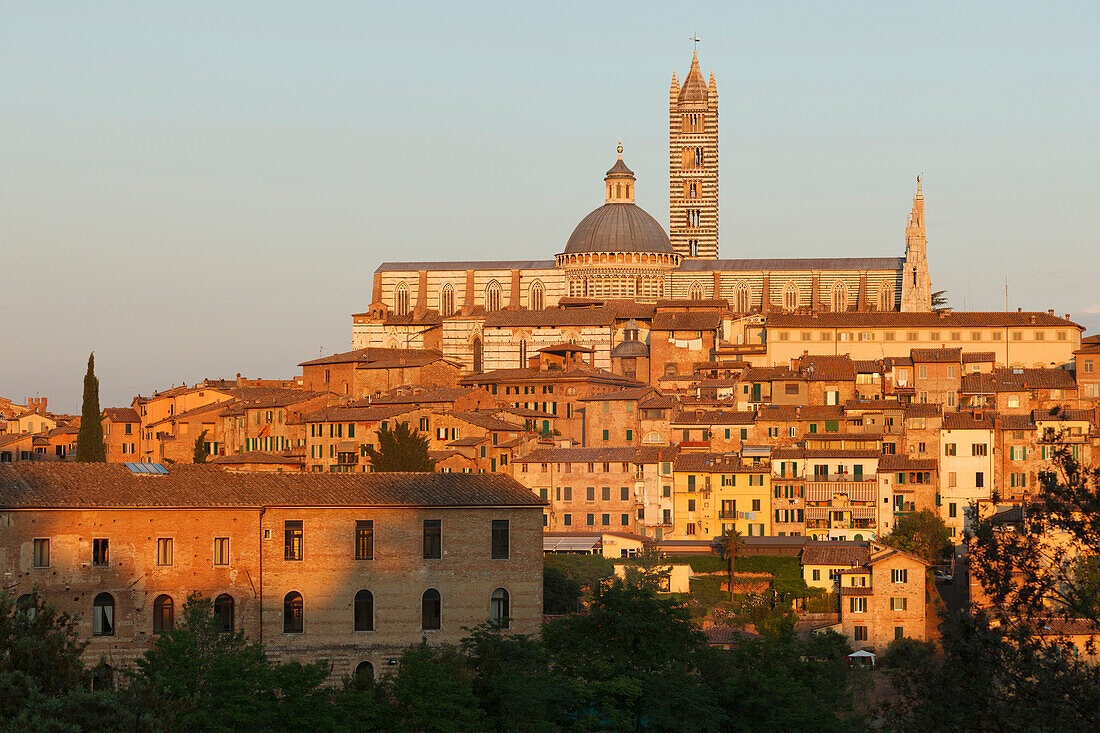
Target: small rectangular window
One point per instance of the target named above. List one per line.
(500, 539)
(100, 553)
(364, 539)
(292, 539)
(41, 553)
(164, 551)
(433, 539)
(221, 550)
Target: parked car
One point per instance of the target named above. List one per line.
(942, 576)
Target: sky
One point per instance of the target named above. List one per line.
(200, 189)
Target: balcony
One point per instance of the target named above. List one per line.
(695, 445)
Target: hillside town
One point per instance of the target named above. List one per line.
(743, 425)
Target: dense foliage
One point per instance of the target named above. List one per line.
(400, 448)
(632, 661)
(1002, 668)
(922, 533)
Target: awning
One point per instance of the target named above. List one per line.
(570, 544)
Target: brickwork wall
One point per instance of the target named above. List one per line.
(328, 576)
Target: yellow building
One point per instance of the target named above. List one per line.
(715, 492)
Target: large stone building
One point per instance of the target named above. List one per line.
(349, 568)
(619, 251)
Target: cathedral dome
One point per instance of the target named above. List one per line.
(619, 227)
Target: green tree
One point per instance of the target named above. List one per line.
(200, 454)
(649, 570)
(589, 571)
(994, 678)
(560, 593)
(1041, 560)
(512, 681)
(198, 677)
(44, 685)
(400, 449)
(728, 544)
(365, 704)
(631, 663)
(434, 692)
(783, 684)
(922, 533)
(89, 441)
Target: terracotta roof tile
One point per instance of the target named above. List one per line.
(121, 414)
(104, 485)
(836, 553)
(686, 321)
(930, 356)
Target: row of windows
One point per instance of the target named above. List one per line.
(164, 613)
(103, 611)
(101, 552)
(605, 519)
(907, 335)
(293, 544)
(536, 298)
(431, 611)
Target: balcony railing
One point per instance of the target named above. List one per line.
(696, 444)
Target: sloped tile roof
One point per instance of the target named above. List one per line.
(108, 485)
(836, 553)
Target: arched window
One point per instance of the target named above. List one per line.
(164, 617)
(364, 668)
(476, 348)
(223, 611)
(103, 677)
(103, 615)
(498, 607)
(840, 297)
(695, 292)
(886, 297)
(492, 296)
(447, 300)
(25, 604)
(293, 613)
(431, 610)
(401, 300)
(364, 611)
(538, 293)
(790, 297)
(743, 297)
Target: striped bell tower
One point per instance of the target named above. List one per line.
(693, 164)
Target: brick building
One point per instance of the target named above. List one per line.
(346, 568)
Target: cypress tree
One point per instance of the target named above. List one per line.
(89, 442)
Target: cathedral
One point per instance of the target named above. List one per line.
(620, 253)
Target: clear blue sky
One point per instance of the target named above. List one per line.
(204, 188)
